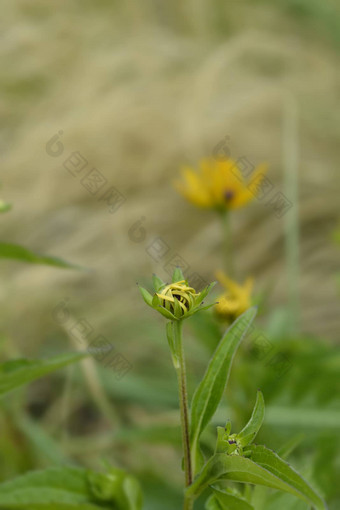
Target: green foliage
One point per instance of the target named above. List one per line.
(16, 373)
(270, 461)
(227, 500)
(16, 252)
(4, 206)
(248, 434)
(68, 488)
(209, 392)
(268, 470)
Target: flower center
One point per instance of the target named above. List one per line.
(228, 195)
(180, 292)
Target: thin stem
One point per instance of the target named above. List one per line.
(228, 258)
(188, 503)
(291, 169)
(183, 404)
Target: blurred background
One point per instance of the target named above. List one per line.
(134, 90)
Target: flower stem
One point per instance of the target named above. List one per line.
(228, 245)
(188, 503)
(292, 239)
(183, 404)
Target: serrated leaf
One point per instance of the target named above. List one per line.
(209, 392)
(16, 252)
(229, 501)
(249, 432)
(268, 459)
(245, 470)
(16, 373)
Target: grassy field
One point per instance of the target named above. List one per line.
(138, 89)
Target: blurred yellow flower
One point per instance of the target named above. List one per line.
(236, 299)
(219, 184)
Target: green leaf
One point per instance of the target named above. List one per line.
(245, 470)
(229, 501)
(69, 488)
(209, 392)
(287, 448)
(53, 489)
(16, 373)
(212, 504)
(16, 252)
(248, 434)
(44, 445)
(278, 467)
(4, 206)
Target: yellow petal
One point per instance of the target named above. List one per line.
(192, 188)
(227, 283)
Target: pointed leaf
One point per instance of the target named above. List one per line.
(16, 373)
(16, 252)
(244, 470)
(229, 501)
(248, 434)
(209, 392)
(280, 468)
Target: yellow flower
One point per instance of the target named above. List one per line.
(219, 184)
(236, 299)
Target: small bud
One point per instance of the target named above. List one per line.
(177, 300)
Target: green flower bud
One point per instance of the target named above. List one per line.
(228, 443)
(177, 300)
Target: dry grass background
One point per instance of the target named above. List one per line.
(139, 89)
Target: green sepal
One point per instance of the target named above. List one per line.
(203, 294)
(177, 275)
(166, 313)
(157, 282)
(156, 301)
(146, 295)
